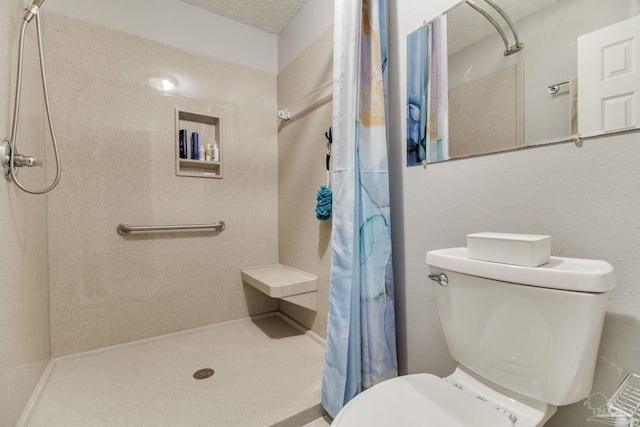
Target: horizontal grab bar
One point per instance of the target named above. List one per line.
(126, 229)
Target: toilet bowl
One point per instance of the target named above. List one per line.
(525, 339)
(458, 400)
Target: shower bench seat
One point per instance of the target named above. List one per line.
(286, 283)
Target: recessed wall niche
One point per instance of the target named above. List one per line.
(209, 131)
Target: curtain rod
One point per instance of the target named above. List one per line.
(508, 49)
(286, 114)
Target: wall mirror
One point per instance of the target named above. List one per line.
(533, 96)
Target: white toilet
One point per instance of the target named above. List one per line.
(525, 339)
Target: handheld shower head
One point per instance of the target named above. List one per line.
(32, 10)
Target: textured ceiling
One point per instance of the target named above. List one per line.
(466, 26)
(271, 16)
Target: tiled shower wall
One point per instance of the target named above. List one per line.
(24, 297)
(305, 242)
(118, 140)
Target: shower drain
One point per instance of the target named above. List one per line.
(203, 374)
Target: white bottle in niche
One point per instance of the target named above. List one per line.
(201, 153)
(215, 152)
(207, 153)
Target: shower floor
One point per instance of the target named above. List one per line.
(267, 372)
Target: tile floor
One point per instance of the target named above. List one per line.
(266, 371)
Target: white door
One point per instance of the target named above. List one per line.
(609, 79)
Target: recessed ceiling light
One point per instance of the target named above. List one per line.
(163, 84)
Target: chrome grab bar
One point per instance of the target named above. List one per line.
(126, 229)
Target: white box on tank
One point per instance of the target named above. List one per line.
(529, 250)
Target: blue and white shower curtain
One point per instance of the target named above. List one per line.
(361, 340)
(427, 82)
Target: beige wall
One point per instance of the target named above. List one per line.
(117, 140)
(24, 297)
(305, 242)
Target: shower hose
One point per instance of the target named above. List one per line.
(16, 111)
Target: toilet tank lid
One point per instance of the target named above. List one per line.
(571, 274)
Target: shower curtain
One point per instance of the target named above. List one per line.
(361, 342)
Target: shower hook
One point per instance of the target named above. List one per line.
(329, 136)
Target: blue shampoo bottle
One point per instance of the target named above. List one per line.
(194, 146)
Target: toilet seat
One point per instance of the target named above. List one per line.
(418, 400)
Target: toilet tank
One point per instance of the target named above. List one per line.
(533, 330)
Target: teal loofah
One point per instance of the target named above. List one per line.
(323, 208)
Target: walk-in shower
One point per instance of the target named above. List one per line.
(105, 301)
(11, 159)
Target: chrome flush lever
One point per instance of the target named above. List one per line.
(441, 278)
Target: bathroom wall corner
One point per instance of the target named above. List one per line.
(305, 242)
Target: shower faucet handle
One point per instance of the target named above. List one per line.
(19, 161)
